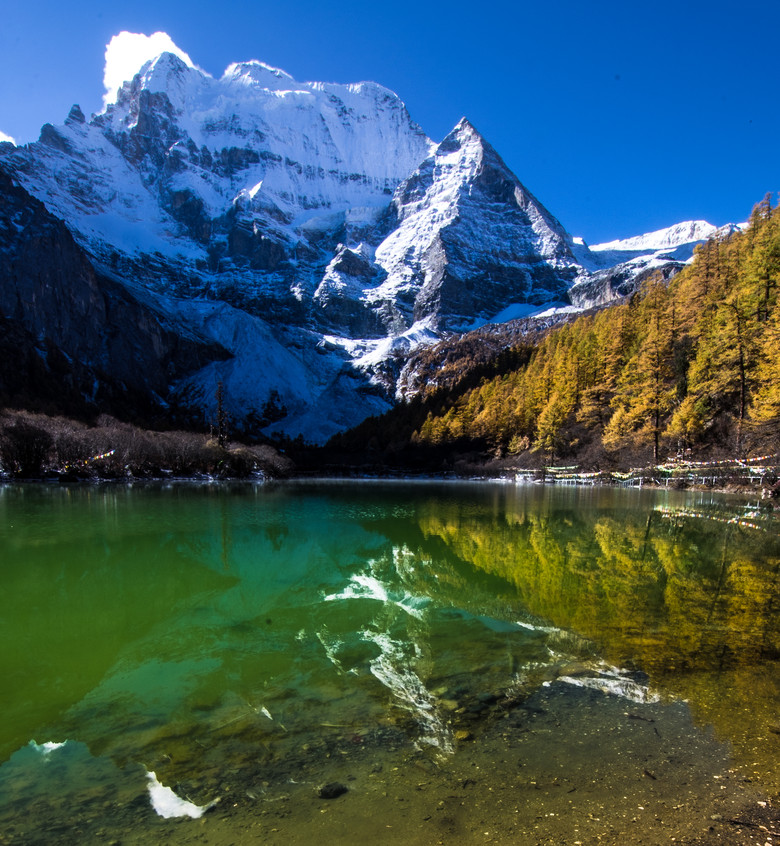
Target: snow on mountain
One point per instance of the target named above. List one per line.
(85, 180)
(301, 371)
(617, 268)
(688, 232)
(315, 145)
(309, 231)
(675, 243)
(179, 149)
(469, 235)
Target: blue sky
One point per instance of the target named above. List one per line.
(620, 117)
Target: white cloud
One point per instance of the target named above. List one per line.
(4, 137)
(127, 52)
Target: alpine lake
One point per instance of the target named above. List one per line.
(387, 663)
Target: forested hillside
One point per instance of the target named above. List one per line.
(688, 366)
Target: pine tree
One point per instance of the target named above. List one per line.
(606, 350)
(720, 376)
(762, 266)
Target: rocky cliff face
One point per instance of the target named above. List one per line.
(311, 231)
(88, 339)
(470, 239)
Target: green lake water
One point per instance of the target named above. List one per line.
(473, 663)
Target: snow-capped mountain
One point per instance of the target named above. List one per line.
(675, 243)
(198, 168)
(617, 268)
(469, 235)
(307, 234)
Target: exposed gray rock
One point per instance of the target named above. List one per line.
(75, 116)
(605, 287)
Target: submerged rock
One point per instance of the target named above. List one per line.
(332, 790)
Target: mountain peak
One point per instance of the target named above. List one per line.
(672, 236)
(75, 116)
(464, 141)
(127, 54)
(165, 72)
(463, 132)
(257, 74)
(464, 125)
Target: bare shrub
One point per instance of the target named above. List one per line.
(25, 448)
(183, 452)
(273, 463)
(32, 444)
(75, 449)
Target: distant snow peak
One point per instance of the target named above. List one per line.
(127, 53)
(259, 74)
(7, 138)
(663, 239)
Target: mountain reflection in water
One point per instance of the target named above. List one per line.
(197, 630)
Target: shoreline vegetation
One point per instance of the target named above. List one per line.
(40, 447)
(37, 447)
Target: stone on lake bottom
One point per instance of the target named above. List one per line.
(332, 790)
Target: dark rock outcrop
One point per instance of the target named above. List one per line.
(80, 330)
